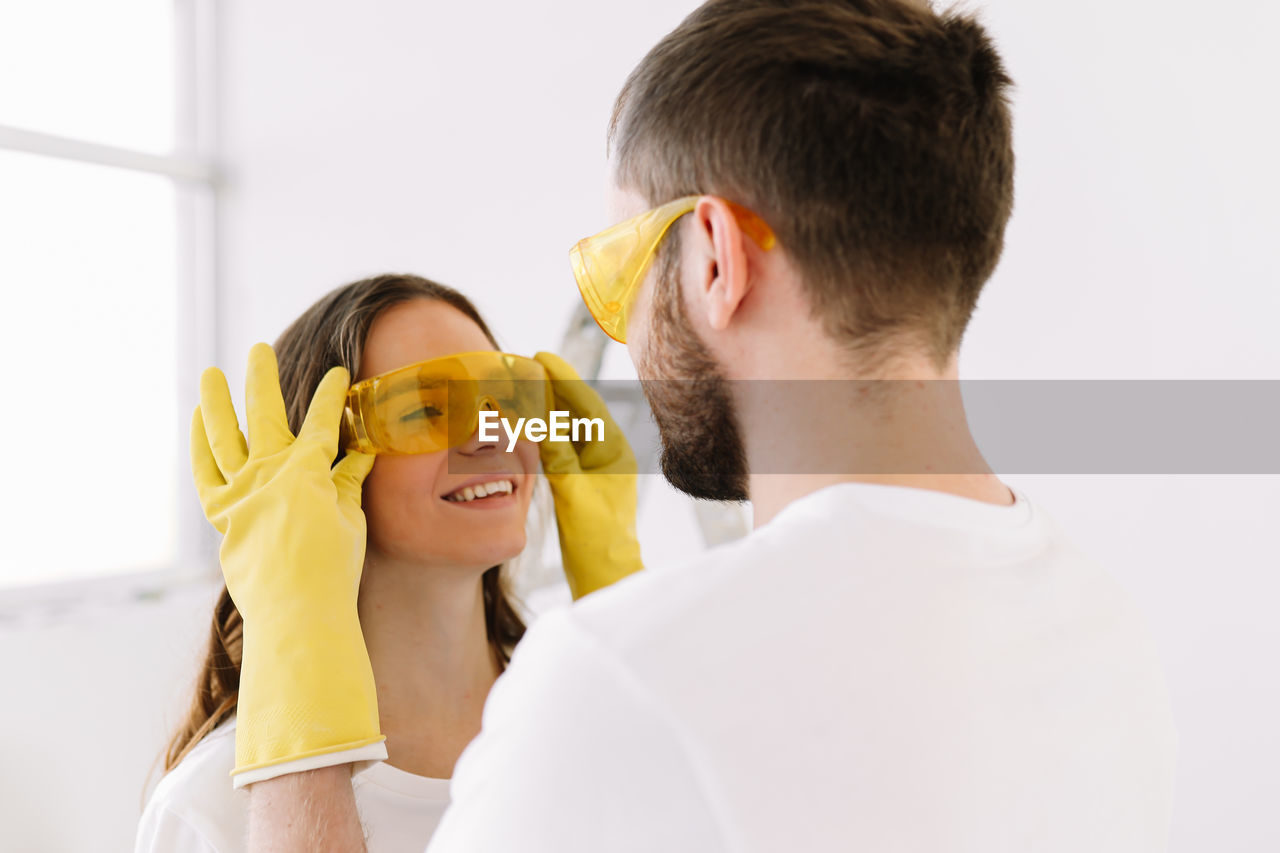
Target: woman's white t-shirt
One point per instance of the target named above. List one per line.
(194, 809)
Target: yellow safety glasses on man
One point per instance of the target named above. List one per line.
(611, 265)
(436, 404)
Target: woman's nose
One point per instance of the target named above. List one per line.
(474, 446)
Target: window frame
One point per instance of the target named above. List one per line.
(191, 166)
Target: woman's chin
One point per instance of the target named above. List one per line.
(495, 550)
(455, 537)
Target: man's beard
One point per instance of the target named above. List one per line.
(702, 451)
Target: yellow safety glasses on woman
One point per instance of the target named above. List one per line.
(436, 404)
(611, 265)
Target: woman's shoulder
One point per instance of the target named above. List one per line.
(195, 800)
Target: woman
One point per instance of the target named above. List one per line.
(438, 620)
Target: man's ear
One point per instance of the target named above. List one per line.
(726, 281)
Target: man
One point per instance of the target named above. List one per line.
(904, 655)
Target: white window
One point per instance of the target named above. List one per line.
(106, 199)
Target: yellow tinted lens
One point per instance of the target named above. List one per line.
(513, 386)
(434, 405)
(610, 266)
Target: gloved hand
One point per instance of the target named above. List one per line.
(593, 485)
(292, 553)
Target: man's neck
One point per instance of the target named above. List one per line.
(802, 435)
(424, 627)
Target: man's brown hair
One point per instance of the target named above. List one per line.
(873, 136)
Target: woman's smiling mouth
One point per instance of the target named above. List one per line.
(482, 491)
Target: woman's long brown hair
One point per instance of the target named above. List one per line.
(330, 333)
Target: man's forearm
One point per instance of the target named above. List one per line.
(304, 812)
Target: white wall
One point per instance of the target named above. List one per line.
(91, 694)
(1142, 247)
(465, 142)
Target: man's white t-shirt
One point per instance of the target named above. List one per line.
(879, 668)
(195, 810)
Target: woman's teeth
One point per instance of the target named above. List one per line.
(483, 490)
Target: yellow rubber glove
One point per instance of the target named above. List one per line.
(292, 553)
(593, 484)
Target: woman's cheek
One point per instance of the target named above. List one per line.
(527, 452)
